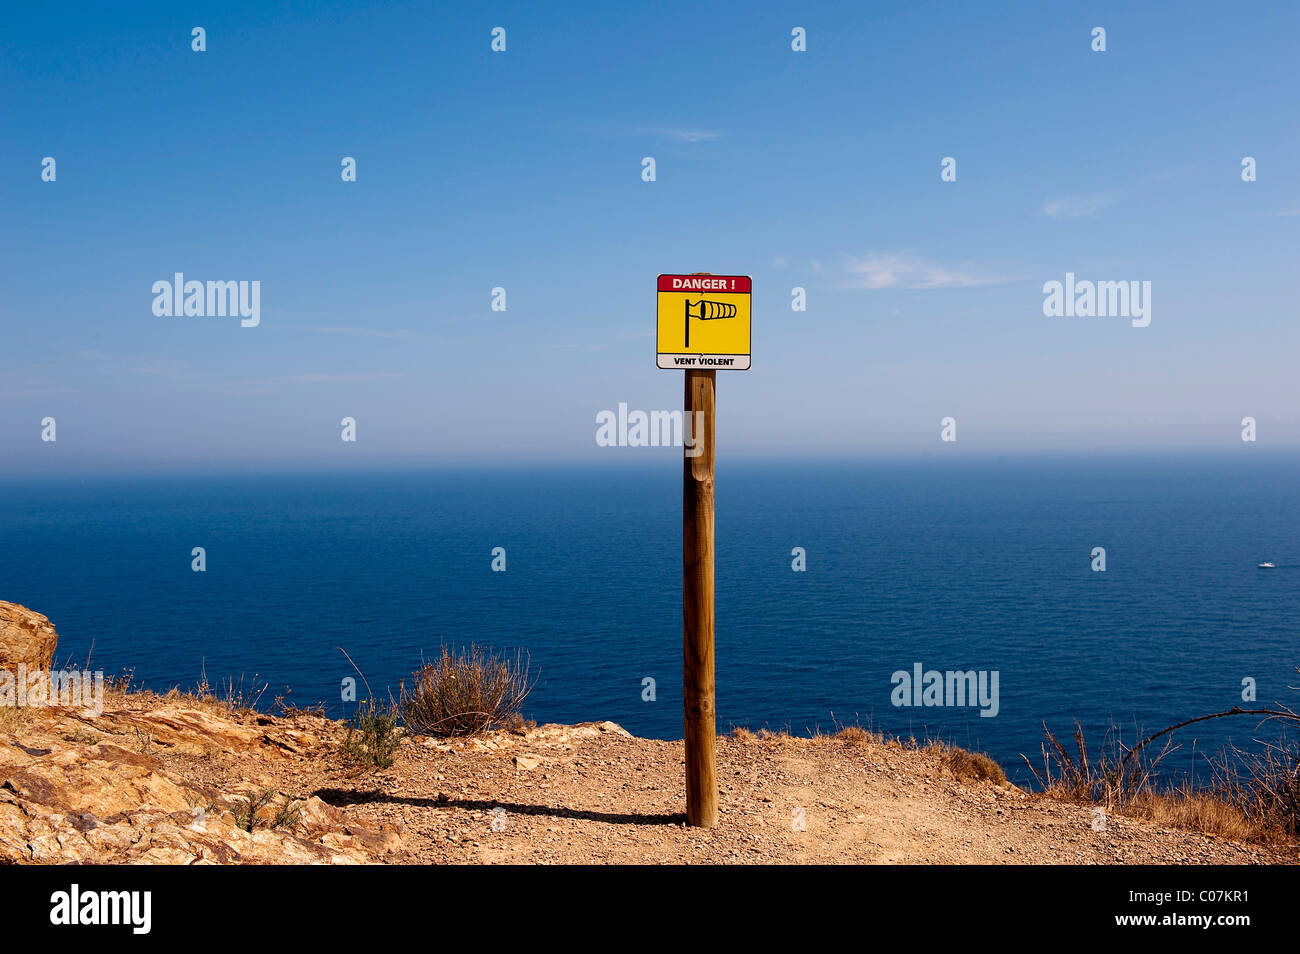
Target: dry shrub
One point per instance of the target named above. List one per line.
(463, 693)
(1113, 778)
(741, 734)
(855, 735)
(1265, 787)
(971, 765)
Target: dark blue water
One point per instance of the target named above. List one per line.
(956, 565)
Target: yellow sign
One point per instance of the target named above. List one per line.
(703, 322)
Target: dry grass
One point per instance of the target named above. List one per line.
(1252, 797)
(292, 710)
(846, 734)
(121, 683)
(143, 740)
(235, 698)
(1265, 787)
(1111, 777)
(854, 733)
(12, 718)
(1196, 811)
(467, 692)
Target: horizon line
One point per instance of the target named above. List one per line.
(629, 457)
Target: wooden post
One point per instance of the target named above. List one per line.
(697, 601)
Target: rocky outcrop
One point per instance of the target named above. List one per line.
(171, 780)
(26, 638)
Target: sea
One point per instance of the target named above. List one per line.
(950, 565)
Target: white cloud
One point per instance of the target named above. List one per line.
(1079, 206)
(337, 378)
(17, 388)
(688, 135)
(270, 385)
(400, 334)
(904, 270)
(138, 364)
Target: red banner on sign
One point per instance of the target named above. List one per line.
(728, 284)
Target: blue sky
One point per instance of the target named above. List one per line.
(522, 169)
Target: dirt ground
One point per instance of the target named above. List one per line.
(553, 794)
(598, 795)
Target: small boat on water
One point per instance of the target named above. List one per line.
(1266, 566)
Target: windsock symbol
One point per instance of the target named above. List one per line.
(706, 310)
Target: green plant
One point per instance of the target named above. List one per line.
(201, 804)
(373, 736)
(245, 809)
(287, 816)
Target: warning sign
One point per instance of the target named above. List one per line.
(703, 322)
